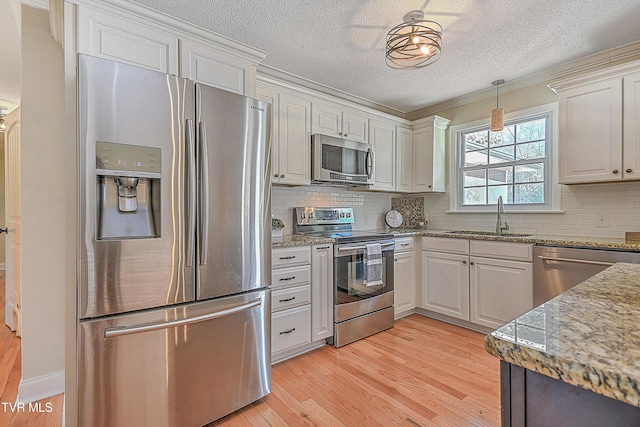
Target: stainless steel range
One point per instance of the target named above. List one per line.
(362, 272)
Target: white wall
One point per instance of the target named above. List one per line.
(44, 165)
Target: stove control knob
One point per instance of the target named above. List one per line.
(310, 215)
(303, 215)
(341, 214)
(348, 214)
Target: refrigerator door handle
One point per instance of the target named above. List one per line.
(191, 185)
(129, 330)
(204, 194)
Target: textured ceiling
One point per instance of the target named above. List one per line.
(340, 43)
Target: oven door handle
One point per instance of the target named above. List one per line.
(385, 246)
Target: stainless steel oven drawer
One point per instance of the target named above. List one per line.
(362, 326)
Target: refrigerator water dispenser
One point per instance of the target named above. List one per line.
(128, 179)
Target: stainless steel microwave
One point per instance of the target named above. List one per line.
(341, 160)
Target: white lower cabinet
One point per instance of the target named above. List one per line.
(500, 290)
(404, 273)
(488, 291)
(445, 284)
(301, 299)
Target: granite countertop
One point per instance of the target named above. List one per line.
(537, 239)
(588, 336)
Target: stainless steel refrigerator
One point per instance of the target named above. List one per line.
(175, 249)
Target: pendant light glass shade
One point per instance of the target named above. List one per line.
(497, 114)
(415, 43)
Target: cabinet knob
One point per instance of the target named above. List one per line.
(275, 175)
(629, 171)
(471, 263)
(340, 133)
(615, 171)
(345, 135)
(464, 262)
(282, 176)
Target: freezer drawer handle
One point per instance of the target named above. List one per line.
(287, 278)
(126, 330)
(577, 261)
(288, 257)
(288, 332)
(287, 299)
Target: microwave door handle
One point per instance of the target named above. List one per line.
(369, 163)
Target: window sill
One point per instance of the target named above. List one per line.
(508, 211)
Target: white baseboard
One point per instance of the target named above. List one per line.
(40, 387)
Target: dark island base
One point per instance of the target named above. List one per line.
(534, 400)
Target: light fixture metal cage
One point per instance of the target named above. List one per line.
(415, 43)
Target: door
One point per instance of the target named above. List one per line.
(590, 144)
(404, 290)
(137, 208)
(149, 365)
(322, 292)
(445, 284)
(234, 243)
(13, 216)
(295, 140)
(500, 290)
(382, 136)
(404, 159)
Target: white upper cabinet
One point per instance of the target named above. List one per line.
(138, 36)
(404, 159)
(382, 137)
(429, 155)
(214, 67)
(598, 129)
(331, 119)
(126, 39)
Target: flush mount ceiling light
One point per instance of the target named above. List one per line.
(497, 114)
(415, 43)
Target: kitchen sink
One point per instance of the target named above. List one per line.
(486, 233)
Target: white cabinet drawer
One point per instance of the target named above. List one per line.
(446, 244)
(290, 297)
(281, 257)
(404, 244)
(502, 250)
(290, 276)
(290, 328)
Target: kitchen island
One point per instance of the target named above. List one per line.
(575, 360)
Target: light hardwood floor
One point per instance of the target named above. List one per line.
(422, 372)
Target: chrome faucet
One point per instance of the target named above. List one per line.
(499, 227)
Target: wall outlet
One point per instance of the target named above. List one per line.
(602, 220)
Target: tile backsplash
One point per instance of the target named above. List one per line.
(591, 210)
(368, 207)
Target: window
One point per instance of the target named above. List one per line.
(515, 163)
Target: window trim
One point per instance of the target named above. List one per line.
(552, 188)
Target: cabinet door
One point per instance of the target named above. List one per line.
(326, 119)
(117, 38)
(321, 292)
(590, 145)
(404, 159)
(295, 140)
(383, 140)
(355, 126)
(445, 284)
(631, 136)
(270, 95)
(214, 67)
(500, 290)
(403, 283)
(422, 171)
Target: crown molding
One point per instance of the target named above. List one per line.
(621, 54)
(286, 77)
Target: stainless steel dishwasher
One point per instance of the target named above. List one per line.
(557, 269)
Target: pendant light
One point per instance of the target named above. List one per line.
(415, 43)
(497, 114)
